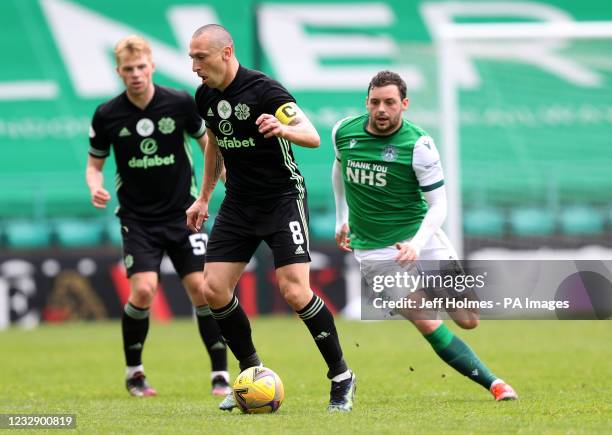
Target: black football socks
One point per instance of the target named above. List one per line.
(320, 323)
(236, 330)
(134, 326)
(211, 336)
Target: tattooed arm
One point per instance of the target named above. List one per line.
(213, 170)
(202, 142)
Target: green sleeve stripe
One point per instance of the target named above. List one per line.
(98, 153)
(200, 132)
(432, 186)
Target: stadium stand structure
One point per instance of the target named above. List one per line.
(534, 148)
(32, 219)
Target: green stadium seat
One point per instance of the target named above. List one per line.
(532, 222)
(112, 230)
(321, 200)
(68, 202)
(483, 221)
(24, 234)
(322, 226)
(18, 206)
(581, 220)
(75, 232)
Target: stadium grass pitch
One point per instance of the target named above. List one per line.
(561, 370)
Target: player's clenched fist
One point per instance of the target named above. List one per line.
(342, 238)
(269, 125)
(406, 254)
(99, 197)
(197, 214)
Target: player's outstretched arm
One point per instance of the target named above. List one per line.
(95, 181)
(289, 122)
(197, 213)
(342, 228)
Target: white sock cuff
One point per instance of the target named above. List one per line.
(220, 373)
(131, 370)
(495, 382)
(342, 376)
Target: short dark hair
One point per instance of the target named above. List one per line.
(219, 35)
(386, 78)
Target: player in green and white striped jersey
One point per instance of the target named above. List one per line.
(389, 188)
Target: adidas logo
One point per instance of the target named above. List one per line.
(136, 346)
(124, 132)
(299, 250)
(323, 335)
(210, 112)
(475, 372)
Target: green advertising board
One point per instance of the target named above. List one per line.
(535, 118)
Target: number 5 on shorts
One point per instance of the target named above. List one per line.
(198, 243)
(296, 232)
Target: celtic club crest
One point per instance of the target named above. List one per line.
(166, 125)
(242, 111)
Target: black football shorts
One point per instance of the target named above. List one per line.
(144, 245)
(240, 228)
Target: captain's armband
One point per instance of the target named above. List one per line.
(289, 114)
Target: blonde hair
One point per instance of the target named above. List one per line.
(133, 45)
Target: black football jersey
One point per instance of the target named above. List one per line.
(257, 168)
(155, 179)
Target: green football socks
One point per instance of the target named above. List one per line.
(459, 356)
